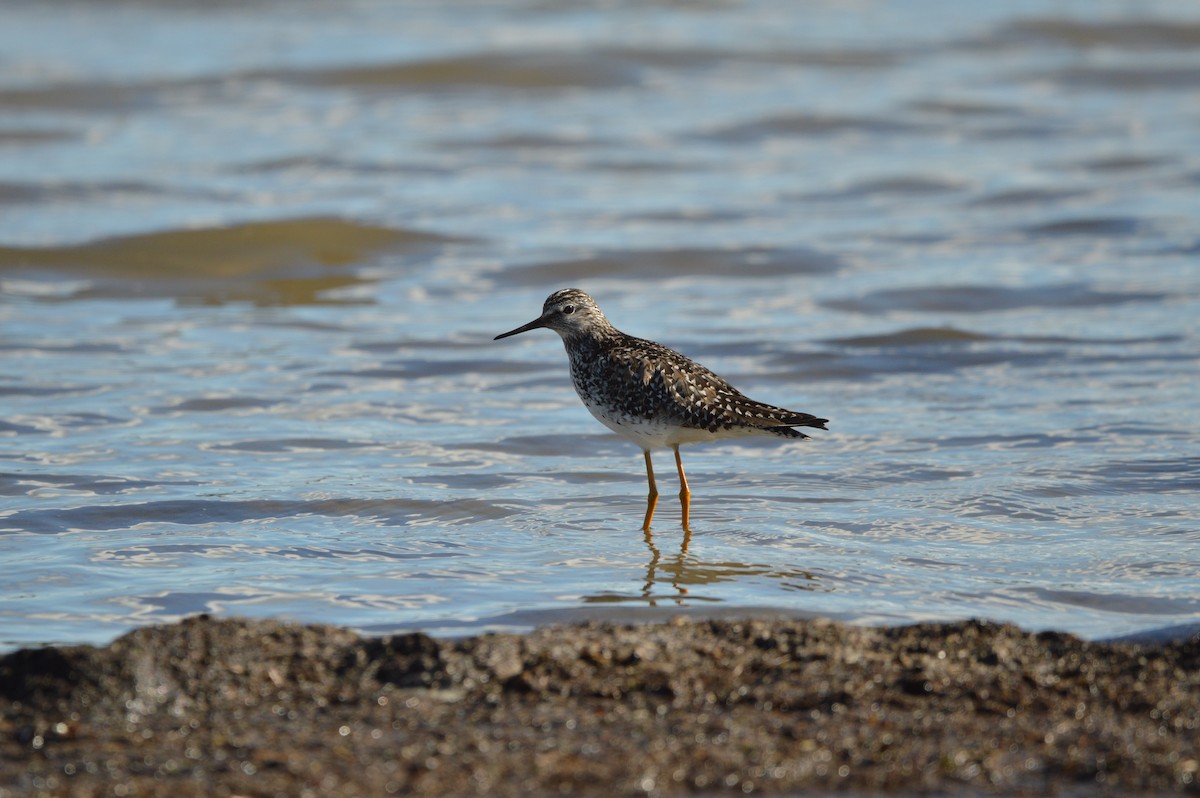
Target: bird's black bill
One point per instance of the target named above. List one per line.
(533, 325)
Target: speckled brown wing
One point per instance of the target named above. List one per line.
(677, 389)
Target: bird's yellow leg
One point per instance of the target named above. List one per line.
(685, 495)
(652, 498)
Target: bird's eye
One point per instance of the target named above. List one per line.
(568, 309)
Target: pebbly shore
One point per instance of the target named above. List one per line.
(227, 707)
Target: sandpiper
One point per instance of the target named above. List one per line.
(652, 395)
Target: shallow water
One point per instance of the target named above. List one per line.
(251, 262)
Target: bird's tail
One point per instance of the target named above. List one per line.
(777, 420)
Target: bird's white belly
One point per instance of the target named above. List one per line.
(652, 434)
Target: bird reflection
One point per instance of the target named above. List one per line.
(684, 571)
(687, 574)
(675, 567)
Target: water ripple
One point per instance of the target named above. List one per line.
(250, 272)
(390, 512)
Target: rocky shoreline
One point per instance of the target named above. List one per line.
(211, 707)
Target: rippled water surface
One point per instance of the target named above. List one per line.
(252, 258)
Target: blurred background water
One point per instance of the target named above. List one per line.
(252, 257)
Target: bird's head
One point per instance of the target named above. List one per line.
(570, 313)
